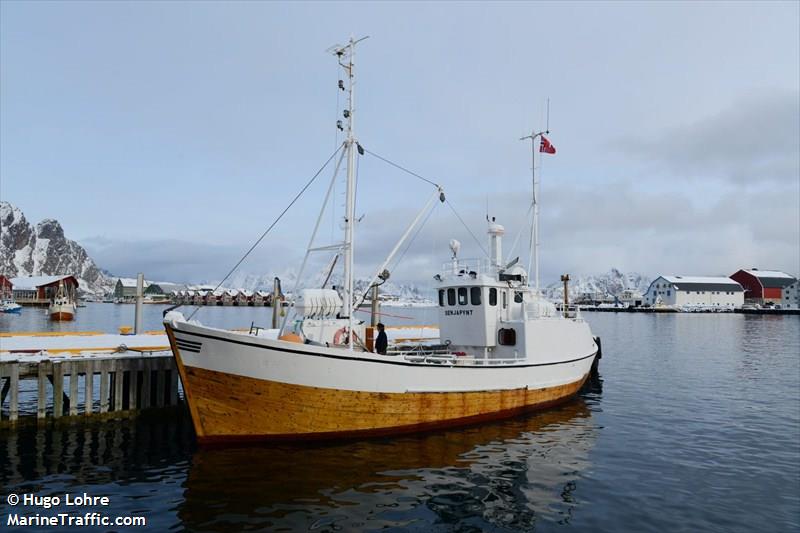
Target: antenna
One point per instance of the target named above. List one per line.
(547, 128)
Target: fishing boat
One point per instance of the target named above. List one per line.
(62, 307)
(7, 303)
(503, 349)
(10, 306)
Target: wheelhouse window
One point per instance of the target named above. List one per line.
(518, 297)
(505, 299)
(475, 295)
(441, 297)
(462, 296)
(451, 297)
(492, 296)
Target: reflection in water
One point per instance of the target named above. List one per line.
(508, 474)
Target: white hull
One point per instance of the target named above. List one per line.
(64, 311)
(338, 368)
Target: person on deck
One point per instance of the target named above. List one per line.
(381, 343)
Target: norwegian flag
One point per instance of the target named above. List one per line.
(545, 147)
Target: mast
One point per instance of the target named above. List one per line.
(533, 255)
(346, 55)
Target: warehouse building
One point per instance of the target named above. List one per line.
(694, 291)
(791, 296)
(763, 286)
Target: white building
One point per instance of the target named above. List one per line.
(694, 291)
(791, 296)
(631, 297)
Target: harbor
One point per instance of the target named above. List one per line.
(449, 267)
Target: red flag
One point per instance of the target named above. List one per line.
(546, 147)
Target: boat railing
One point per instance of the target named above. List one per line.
(464, 268)
(443, 357)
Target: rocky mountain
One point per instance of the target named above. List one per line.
(44, 250)
(610, 284)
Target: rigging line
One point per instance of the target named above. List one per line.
(401, 168)
(307, 185)
(467, 228)
(419, 230)
(519, 234)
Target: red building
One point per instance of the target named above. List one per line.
(762, 286)
(5, 284)
(41, 289)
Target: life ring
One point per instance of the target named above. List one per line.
(342, 332)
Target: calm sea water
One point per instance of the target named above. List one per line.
(692, 425)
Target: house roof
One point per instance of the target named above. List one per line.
(703, 283)
(131, 282)
(772, 279)
(31, 283)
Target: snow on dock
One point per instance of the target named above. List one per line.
(78, 343)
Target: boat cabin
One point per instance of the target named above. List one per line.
(485, 305)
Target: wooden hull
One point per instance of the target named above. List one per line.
(239, 388)
(61, 316)
(226, 407)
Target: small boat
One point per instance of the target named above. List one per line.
(63, 305)
(10, 306)
(503, 349)
(7, 303)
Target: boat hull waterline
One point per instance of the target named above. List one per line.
(241, 388)
(61, 316)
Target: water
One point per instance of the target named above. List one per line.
(107, 318)
(693, 425)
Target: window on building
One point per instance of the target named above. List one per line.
(451, 297)
(441, 297)
(475, 295)
(462, 296)
(492, 296)
(669, 292)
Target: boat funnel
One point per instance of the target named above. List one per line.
(496, 232)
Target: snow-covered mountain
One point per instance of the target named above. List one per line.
(43, 250)
(610, 284)
(255, 282)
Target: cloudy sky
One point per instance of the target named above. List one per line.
(167, 136)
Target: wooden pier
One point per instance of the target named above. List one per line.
(86, 384)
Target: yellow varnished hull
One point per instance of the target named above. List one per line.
(230, 407)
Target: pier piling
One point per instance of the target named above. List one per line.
(128, 382)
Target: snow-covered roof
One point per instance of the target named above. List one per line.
(699, 279)
(131, 282)
(34, 282)
(769, 274)
(703, 282)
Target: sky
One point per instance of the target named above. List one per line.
(166, 136)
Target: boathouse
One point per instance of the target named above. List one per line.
(5, 285)
(125, 289)
(694, 291)
(763, 286)
(39, 290)
(244, 298)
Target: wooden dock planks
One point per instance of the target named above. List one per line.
(127, 382)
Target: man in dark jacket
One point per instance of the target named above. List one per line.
(381, 342)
